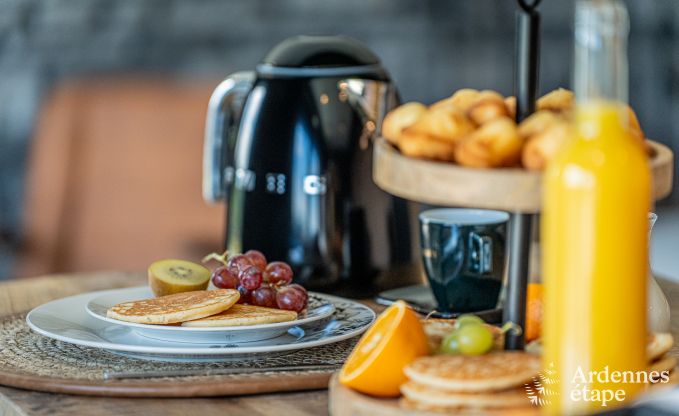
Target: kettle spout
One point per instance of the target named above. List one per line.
(371, 99)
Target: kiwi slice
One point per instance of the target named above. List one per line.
(171, 276)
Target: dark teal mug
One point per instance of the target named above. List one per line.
(463, 251)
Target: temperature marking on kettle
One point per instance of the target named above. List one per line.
(315, 185)
(275, 183)
(245, 179)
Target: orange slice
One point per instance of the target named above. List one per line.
(376, 364)
(533, 311)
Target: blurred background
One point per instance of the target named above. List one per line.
(102, 106)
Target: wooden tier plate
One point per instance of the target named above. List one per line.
(510, 189)
(343, 401)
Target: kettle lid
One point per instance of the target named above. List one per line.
(320, 51)
(307, 55)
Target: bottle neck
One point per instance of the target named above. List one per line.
(601, 66)
(601, 30)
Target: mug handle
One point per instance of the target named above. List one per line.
(481, 258)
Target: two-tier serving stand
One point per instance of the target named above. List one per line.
(515, 190)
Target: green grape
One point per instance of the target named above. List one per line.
(463, 320)
(474, 339)
(450, 344)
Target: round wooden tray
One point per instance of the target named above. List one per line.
(510, 189)
(343, 401)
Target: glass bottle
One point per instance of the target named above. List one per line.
(594, 224)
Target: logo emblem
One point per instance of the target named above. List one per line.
(539, 389)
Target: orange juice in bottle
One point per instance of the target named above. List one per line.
(594, 225)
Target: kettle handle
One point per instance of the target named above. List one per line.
(223, 115)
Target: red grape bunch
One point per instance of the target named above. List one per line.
(260, 283)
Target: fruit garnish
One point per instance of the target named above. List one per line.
(245, 295)
(257, 258)
(259, 283)
(468, 319)
(278, 273)
(533, 311)
(376, 364)
(222, 258)
(291, 299)
(238, 263)
(474, 339)
(450, 343)
(251, 278)
(224, 278)
(302, 290)
(264, 296)
(470, 336)
(170, 276)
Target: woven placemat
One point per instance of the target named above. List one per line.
(31, 361)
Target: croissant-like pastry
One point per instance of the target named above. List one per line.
(464, 98)
(494, 144)
(537, 122)
(477, 129)
(510, 102)
(558, 100)
(488, 106)
(545, 144)
(448, 124)
(423, 146)
(400, 118)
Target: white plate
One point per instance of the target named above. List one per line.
(66, 320)
(319, 308)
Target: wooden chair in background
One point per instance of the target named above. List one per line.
(114, 178)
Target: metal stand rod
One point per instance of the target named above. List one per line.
(527, 62)
(519, 258)
(526, 90)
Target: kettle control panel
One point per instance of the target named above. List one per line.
(275, 183)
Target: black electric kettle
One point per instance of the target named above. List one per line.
(289, 148)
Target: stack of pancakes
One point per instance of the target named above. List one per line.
(659, 344)
(486, 384)
(201, 308)
(495, 383)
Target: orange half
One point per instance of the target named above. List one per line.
(376, 364)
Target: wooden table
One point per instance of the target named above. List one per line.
(22, 295)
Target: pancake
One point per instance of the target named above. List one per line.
(515, 397)
(242, 315)
(175, 308)
(665, 363)
(658, 345)
(498, 370)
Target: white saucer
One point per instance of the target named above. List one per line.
(66, 320)
(320, 307)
